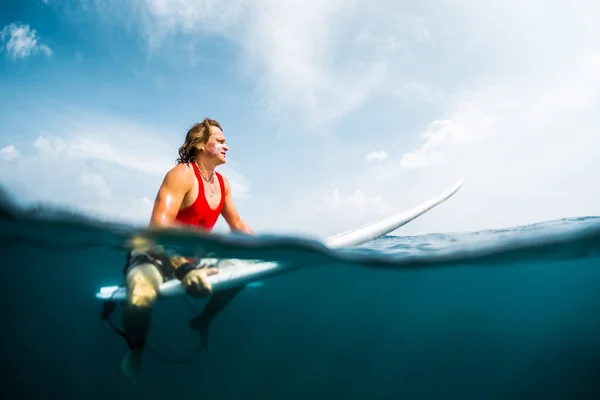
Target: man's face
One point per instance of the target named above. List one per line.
(216, 148)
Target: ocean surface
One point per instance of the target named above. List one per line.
(498, 314)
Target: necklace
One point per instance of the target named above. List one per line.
(211, 186)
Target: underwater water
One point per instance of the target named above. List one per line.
(499, 314)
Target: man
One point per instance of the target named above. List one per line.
(192, 195)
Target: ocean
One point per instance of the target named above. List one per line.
(496, 314)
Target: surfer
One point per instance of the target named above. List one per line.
(192, 195)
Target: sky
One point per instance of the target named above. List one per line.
(336, 113)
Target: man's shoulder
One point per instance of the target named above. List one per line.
(180, 172)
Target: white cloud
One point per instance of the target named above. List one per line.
(514, 110)
(97, 183)
(465, 127)
(312, 61)
(9, 153)
(377, 156)
(521, 126)
(357, 200)
(93, 148)
(20, 41)
(318, 210)
(528, 152)
(43, 144)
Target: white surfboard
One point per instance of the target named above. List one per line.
(242, 272)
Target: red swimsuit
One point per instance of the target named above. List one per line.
(199, 213)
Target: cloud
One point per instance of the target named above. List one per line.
(515, 119)
(357, 200)
(462, 129)
(514, 115)
(97, 183)
(528, 151)
(340, 210)
(310, 61)
(20, 41)
(9, 153)
(94, 148)
(377, 156)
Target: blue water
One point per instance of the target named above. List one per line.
(499, 314)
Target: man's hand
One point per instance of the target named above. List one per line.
(196, 283)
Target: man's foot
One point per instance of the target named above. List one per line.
(132, 365)
(201, 325)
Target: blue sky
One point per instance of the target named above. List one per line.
(336, 113)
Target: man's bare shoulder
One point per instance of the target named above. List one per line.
(181, 173)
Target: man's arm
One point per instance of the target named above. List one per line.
(170, 197)
(230, 213)
(166, 205)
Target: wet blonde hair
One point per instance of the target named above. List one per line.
(197, 135)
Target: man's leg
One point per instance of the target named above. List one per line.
(142, 290)
(215, 305)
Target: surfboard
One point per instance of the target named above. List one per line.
(240, 272)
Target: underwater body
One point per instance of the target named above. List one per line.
(498, 314)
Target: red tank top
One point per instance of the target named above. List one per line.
(199, 213)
